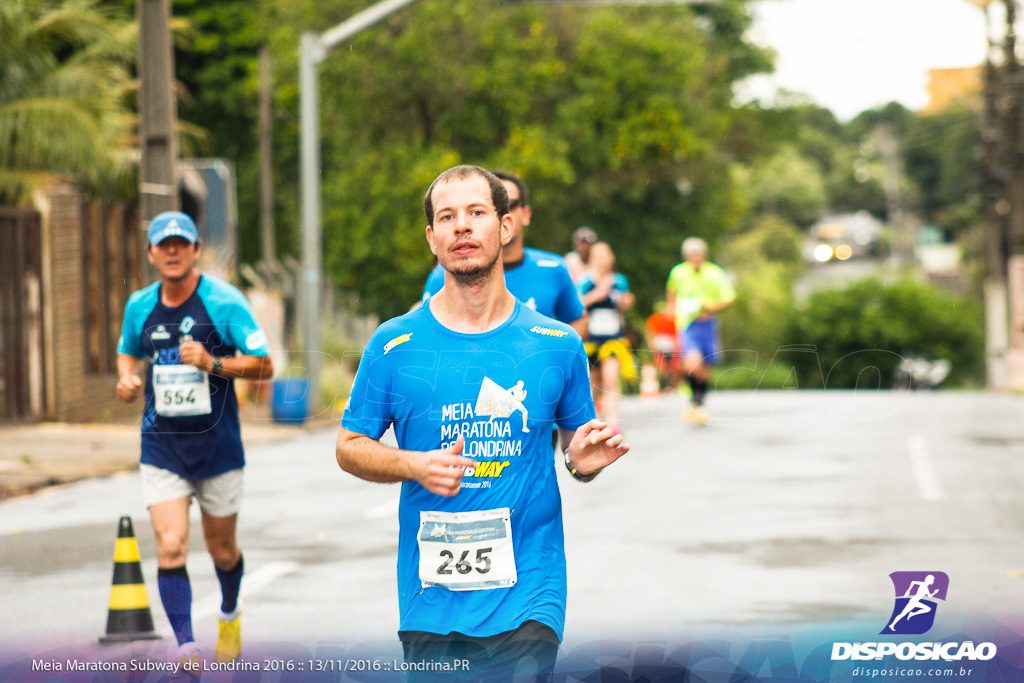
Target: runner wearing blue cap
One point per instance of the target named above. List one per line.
(198, 334)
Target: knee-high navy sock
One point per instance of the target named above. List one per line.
(176, 595)
(230, 582)
(700, 390)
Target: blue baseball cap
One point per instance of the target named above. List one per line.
(172, 224)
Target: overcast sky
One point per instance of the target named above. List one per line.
(852, 55)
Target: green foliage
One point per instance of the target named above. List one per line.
(64, 86)
(613, 116)
(766, 262)
(786, 184)
(943, 160)
(861, 333)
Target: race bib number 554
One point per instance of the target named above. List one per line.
(180, 390)
(464, 551)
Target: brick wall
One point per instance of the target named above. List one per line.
(79, 389)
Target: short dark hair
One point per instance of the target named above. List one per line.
(524, 192)
(499, 197)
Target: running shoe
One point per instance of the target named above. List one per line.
(190, 665)
(695, 415)
(229, 636)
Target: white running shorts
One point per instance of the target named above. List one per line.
(219, 496)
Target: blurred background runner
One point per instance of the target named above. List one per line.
(696, 291)
(578, 260)
(606, 295)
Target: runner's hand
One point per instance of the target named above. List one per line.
(128, 388)
(195, 354)
(594, 446)
(441, 471)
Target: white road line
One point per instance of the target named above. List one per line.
(386, 509)
(252, 581)
(928, 484)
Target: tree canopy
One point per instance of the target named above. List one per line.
(614, 117)
(64, 95)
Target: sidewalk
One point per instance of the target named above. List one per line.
(51, 453)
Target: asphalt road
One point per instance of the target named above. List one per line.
(789, 510)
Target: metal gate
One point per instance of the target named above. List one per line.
(22, 381)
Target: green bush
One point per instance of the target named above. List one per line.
(765, 263)
(733, 374)
(861, 333)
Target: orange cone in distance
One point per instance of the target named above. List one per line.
(129, 617)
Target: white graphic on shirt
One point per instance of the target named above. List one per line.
(495, 401)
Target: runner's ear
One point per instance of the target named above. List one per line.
(506, 227)
(430, 239)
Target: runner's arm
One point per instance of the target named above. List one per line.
(235, 367)
(245, 367)
(129, 384)
(716, 306)
(580, 324)
(591, 448)
(438, 471)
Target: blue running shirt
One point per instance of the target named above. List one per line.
(541, 282)
(503, 391)
(218, 316)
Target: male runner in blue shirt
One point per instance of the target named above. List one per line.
(539, 279)
(472, 382)
(191, 328)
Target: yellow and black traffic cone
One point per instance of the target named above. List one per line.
(129, 617)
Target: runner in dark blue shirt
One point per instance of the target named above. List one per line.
(198, 334)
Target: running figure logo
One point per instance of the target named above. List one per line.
(495, 401)
(916, 595)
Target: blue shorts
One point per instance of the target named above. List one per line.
(701, 336)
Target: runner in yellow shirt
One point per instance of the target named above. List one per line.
(697, 290)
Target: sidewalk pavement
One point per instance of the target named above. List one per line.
(35, 456)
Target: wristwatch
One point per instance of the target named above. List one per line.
(576, 474)
(217, 367)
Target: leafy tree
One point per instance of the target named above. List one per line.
(786, 184)
(64, 89)
(613, 117)
(862, 332)
(942, 158)
(766, 262)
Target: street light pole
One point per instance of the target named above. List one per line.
(313, 48)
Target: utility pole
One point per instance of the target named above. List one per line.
(158, 119)
(266, 163)
(903, 238)
(997, 340)
(1013, 165)
(313, 48)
